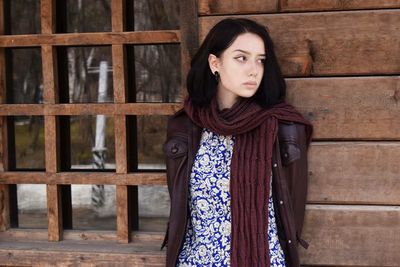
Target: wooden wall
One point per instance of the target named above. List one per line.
(342, 63)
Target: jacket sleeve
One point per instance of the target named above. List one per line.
(294, 158)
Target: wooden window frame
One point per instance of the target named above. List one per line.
(58, 183)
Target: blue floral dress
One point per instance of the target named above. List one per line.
(208, 232)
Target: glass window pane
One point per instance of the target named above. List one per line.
(92, 142)
(24, 16)
(157, 73)
(87, 16)
(154, 206)
(29, 142)
(93, 207)
(25, 80)
(153, 15)
(32, 205)
(86, 73)
(151, 132)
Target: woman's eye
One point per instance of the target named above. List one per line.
(241, 58)
(261, 60)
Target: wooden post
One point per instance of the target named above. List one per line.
(120, 96)
(50, 96)
(4, 188)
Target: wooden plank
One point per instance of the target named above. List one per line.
(363, 108)
(104, 38)
(320, 5)
(331, 43)
(211, 7)
(47, 16)
(121, 152)
(4, 207)
(84, 253)
(54, 212)
(189, 26)
(123, 220)
(90, 109)
(22, 235)
(225, 7)
(118, 15)
(359, 173)
(119, 74)
(351, 235)
(65, 178)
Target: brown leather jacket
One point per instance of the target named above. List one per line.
(289, 183)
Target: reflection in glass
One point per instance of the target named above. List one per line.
(154, 15)
(92, 142)
(24, 16)
(154, 206)
(25, 85)
(32, 205)
(93, 207)
(151, 132)
(87, 16)
(157, 73)
(29, 142)
(88, 73)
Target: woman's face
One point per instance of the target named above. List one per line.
(241, 68)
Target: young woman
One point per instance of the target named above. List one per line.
(236, 157)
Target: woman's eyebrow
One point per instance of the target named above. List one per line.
(246, 52)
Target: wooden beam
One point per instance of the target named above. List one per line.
(47, 16)
(118, 15)
(119, 74)
(189, 26)
(22, 235)
(234, 7)
(103, 38)
(359, 173)
(361, 108)
(331, 43)
(123, 216)
(137, 178)
(90, 109)
(224, 7)
(343, 235)
(322, 5)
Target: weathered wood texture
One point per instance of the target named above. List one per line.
(338, 236)
(354, 173)
(90, 109)
(349, 179)
(146, 178)
(349, 108)
(211, 7)
(123, 222)
(331, 43)
(47, 16)
(352, 236)
(71, 39)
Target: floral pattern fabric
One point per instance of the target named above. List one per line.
(208, 232)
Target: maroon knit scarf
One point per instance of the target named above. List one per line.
(255, 130)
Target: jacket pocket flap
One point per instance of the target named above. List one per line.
(289, 152)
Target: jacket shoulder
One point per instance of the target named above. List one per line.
(292, 137)
(178, 122)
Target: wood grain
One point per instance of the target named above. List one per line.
(351, 236)
(360, 108)
(320, 5)
(225, 7)
(211, 7)
(47, 16)
(354, 173)
(123, 222)
(90, 109)
(331, 43)
(137, 178)
(74, 39)
(118, 15)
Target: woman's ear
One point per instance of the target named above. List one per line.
(213, 62)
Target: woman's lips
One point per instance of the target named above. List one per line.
(250, 84)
